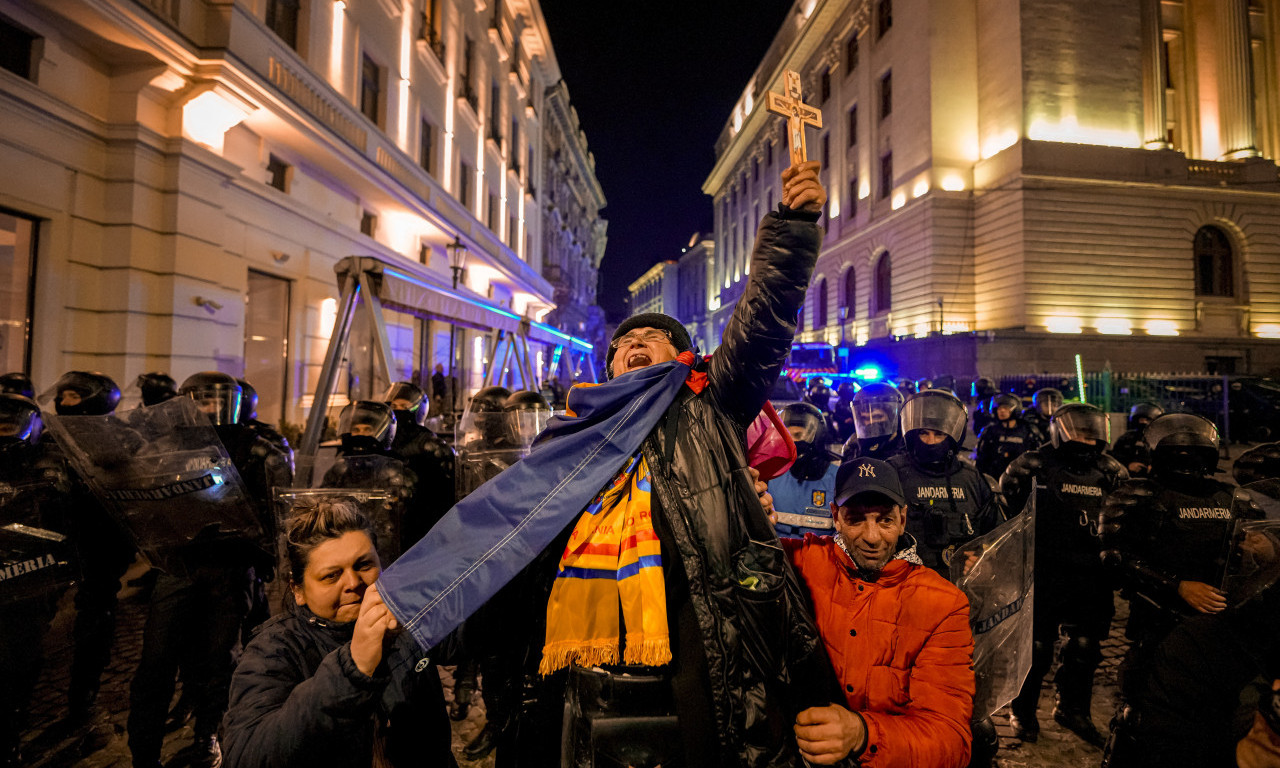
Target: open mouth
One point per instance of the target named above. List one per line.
(638, 359)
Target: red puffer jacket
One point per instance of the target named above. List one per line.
(902, 649)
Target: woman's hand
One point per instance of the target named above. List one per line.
(801, 189)
(766, 498)
(372, 625)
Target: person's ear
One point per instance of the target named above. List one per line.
(298, 596)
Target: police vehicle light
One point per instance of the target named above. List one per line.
(216, 476)
(868, 373)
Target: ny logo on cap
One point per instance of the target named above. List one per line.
(867, 470)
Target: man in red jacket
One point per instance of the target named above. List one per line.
(897, 633)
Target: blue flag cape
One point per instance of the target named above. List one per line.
(492, 534)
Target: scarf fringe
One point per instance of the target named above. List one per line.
(653, 652)
(588, 655)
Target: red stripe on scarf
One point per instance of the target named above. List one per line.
(610, 549)
(697, 380)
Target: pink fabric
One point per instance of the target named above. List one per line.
(770, 448)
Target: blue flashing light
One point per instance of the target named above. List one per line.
(868, 373)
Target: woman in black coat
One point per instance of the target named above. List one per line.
(328, 682)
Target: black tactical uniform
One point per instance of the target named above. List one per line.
(195, 617)
(1130, 449)
(876, 408)
(36, 561)
(156, 387)
(427, 455)
(1043, 403)
(1164, 535)
(1072, 479)
(1004, 440)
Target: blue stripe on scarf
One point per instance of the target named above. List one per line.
(491, 535)
(626, 571)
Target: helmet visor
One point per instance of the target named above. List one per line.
(528, 423)
(802, 423)
(220, 402)
(365, 419)
(19, 420)
(1084, 424)
(1181, 429)
(939, 412)
(876, 417)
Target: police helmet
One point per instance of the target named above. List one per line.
(218, 395)
(1182, 442)
(1261, 462)
(1080, 421)
(875, 411)
(805, 422)
(907, 387)
(1005, 400)
(85, 393)
(248, 401)
(982, 388)
(1142, 414)
(406, 397)
(528, 413)
(156, 387)
(20, 419)
(819, 394)
(17, 383)
(368, 418)
(1046, 401)
(846, 390)
(938, 410)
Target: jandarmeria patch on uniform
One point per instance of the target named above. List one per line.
(1204, 513)
(818, 499)
(1081, 490)
(939, 492)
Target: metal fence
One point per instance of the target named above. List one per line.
(1207, 396)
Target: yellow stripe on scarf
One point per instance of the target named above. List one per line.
(612, 565)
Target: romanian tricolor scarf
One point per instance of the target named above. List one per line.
(613, 561)
(492, 534)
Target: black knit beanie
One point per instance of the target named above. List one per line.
(679, 336)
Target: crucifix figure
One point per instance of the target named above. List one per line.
(798, 114)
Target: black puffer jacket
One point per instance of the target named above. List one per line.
(297, 698)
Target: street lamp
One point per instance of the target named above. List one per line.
(457, 259)
(844, 315)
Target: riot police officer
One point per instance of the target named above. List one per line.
(527, 414)
(486, 442)
(802, 495)
(156, 387)
(1044, 402)
(843, 412)
(1167, 537)
(33, 487)
(367, 430)
(877, 434)
(196, 612)
(948, 501)
(427, 455)
(105, 550)
(1073, 477)
(249, 420)
(1130, 449)
(17, 383)
(1006, 438)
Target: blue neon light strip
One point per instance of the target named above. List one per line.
(541, 326)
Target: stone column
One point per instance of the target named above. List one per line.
(1236, 119)
(1154, 122)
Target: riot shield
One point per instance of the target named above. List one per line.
(163, 474)
(36, 557)
(995, 571)
(487, 443)
(1253, 554)
(374, 503)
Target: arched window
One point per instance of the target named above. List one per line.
(1214, 263)
(850, 301)
(882, 293)
(820, 305)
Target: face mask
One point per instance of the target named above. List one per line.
(931, 454)
(405, 417)
(1073, 451)
(1181, 463)
(360, 444)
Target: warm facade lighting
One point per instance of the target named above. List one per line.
(1161, 328)
(328, 316)
(953, 183)
(954, 326)
(1114, 326)
(1069, 131)
(1064, 324)
(864, 189)
(920, 189)
(999, 143)
(208, 116)
(1267, 331)
(833, 208)
(899, 200)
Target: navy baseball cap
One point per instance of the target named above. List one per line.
(862, 475)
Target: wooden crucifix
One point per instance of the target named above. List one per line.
(798, 114)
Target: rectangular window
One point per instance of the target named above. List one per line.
(17, 289)
(884, 17)
(266, 343)
(432, 26)
(851, 203)
(826, 150)
(495, 109)
(768, 155)
(427, 147)
(464, 184)
(369, 223)
(16, 48)
(371, 90)
(851, 54)
(886, 174)
(755, 170)
(491, 220)
(853, 125)
(512, 231)
(886, 95)
(279, 172)
(824, 86)
(468, 72)
(282, 18)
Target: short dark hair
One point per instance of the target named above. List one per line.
(311, 524)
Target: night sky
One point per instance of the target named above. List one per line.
(654, 82)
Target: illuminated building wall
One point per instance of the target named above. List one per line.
(657, 290)
(176, 154)
(1014, 181)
